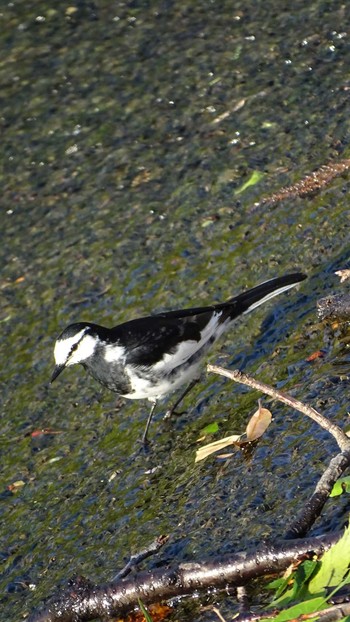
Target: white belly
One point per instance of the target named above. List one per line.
(160, 387)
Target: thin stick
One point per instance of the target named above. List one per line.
(243, 601)
(236, 375)
(136, 559)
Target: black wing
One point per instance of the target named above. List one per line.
(147, 339)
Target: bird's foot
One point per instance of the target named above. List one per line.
(142, 447)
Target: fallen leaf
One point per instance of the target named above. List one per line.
(55, 459)
(207, 450)
(142, 177)
(343, 274)
(158, 612)
(315, 355)
(16, 485)
(44, 431)
(258, 423)
(211, 428)
(255, 177)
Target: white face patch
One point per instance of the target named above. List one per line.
(66, 354)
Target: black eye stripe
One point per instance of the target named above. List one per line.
(75, 347)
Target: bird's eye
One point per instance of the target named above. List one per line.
(73, 349)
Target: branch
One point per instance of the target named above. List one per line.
(82, 601)
(334, 307)
(236, 375)
(313, 507)
(311, 183)
(136, 559)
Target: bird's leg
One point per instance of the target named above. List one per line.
(173, 408)
(144, 437)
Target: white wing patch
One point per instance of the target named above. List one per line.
(114, 354)
(166, 381)
(143, 388)
(188, 348)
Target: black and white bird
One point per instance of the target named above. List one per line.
(150, 357)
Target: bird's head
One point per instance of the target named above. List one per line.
(74, 345)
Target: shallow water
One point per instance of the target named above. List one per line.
(127, 130)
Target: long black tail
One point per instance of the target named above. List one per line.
(245, 302)
(252, 298)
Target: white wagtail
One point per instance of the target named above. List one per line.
(150, 357)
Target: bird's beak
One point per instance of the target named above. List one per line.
(56, 372)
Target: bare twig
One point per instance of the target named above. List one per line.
(82, 601)
(310, 184)
(216, 611)
(236, 375)
(140, 556)
(243, 602)
(332, 614)
(312, 508)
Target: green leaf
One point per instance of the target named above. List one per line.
(255, 177)
(306, 607)
(211, 428)
(334, 565)
(297, 591)
(340, 486)
(276, 583)
(310, 580)
(145, 611)
(281, 586)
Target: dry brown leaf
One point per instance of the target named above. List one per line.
(315, 355)
(258, 423)
(256, 427)
(16, 485)
(158, 612)
(207, 450)
(142, 177)
(343, 274)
